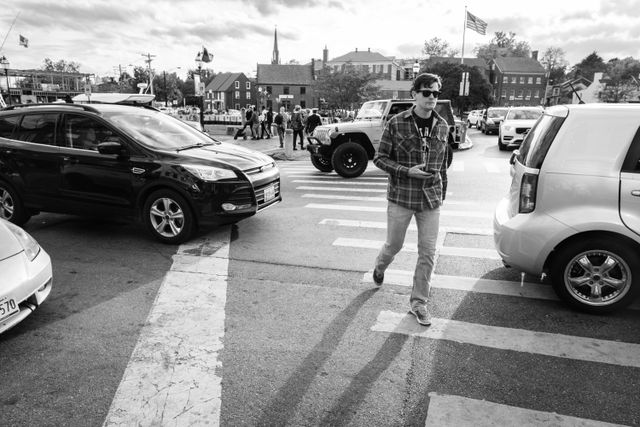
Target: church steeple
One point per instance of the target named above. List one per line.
(276, 54)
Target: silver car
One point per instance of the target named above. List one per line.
(25, 274)
(573, 209)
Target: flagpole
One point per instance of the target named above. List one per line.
(7, 35)
(464, 30)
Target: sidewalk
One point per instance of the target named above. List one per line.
(270, 147)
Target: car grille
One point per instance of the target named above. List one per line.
(243, 195)
(522, 130)
(260, 193)
(322, 133)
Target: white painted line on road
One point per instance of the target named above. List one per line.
(412, 226)
(336, 177)
(492, 167)
(413, 247)
(457, 166)
(443, 212)
(457, 411)
(173, 376)
(354, 190)
(354, 183)
(340, 197)
(520, 340)
(469, 284)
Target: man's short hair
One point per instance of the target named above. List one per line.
(426, 80)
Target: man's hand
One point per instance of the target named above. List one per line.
(418, 172)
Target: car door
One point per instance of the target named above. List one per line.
(630, 186)
(33, 159)
(93, 183)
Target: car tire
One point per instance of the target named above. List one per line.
(11, 206)
(321, 163)
(469, 124)
(501, 146)
(349, 160)
(168, 217)
(577, 267)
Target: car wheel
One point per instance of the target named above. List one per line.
(596, 275)
(168, 217)
(11, 206)
(483, 129)
(501, 146)
(349, 160)
(468, 124)
(321, 163)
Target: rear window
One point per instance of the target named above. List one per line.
(535, 146)
(7, 124)
(496, 113)
(38, 128)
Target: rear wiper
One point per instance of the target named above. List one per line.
(198, 145)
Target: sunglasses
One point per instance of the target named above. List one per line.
(427, 92)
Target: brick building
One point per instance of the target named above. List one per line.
(518, 81)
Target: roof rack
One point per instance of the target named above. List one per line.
(85, 107)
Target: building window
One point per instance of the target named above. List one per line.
(237, 84)
(237, 106)
(303, 103)
(248, 94)
(530, 81)
(521, 80)
(556, 91)
(269, 90)
(538, 80)
(528, 94)
(520, 93)
(285, 90)
(536, 94)
(237, 94)
(505, 79)
(389, 68)
(248, 85)
(514, 79)
(513, 94)
(303, 90)
(504, 93)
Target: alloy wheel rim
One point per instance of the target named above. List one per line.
(6, 205)
(167, 217)
(597, 277)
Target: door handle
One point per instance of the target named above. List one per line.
(71, 160)
(635, 193)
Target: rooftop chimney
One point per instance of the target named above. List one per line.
(534, 55)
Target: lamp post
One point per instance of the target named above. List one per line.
(4, 63)
(199, 90)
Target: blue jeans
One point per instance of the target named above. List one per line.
(427, 221)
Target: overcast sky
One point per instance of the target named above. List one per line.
(104, 34)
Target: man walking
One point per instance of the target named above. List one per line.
(413, 151)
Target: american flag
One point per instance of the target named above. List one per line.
(476, 24)
(24, 41)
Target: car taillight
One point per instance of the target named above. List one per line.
(528, 188)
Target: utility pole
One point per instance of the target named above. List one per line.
(148, 61)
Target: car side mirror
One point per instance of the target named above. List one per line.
(514, 156)
(110, 147)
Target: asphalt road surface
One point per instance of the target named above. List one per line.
(276, 321)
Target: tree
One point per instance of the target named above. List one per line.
(451, 75)
(438, 47)
(503, 44)
(621, 82)
(61, 66)
(590, 65)
(555, 63)
(345, 89)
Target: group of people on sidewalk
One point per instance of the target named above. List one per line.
(264, 123)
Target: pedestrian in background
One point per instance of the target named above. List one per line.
(264, 128)
(255, 123)
(297, 125)
(417, 185)
(313, 121)
(243, 119)
(280, 122)
(270, 121)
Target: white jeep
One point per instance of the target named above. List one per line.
(347, 147)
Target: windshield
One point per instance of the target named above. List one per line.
(371, 110)
(157, 130)
(500, 112)
(523, 115)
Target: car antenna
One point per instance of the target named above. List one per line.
(576, 92)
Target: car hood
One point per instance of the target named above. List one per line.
(347, 126)
(9, 245)
(230, 154)
(517, 123)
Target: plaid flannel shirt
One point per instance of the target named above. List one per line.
(401, 148)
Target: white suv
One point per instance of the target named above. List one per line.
(573, 209)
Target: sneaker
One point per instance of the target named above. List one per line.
(422, 316)
(378, 278)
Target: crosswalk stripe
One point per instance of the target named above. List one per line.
(412, 226)
(469, 284)
(413, 247)
(455, 411)
(353, 190)
(336, 178)
(180, 344)
(457, 166)
(520, 340)
(371, 199)
(467, 214)
(492, 167)
(338, 183)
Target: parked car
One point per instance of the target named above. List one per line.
(116, 160)
(473, 118)
(25, 269)
(516, 124)
(572, 209)
(491, 118)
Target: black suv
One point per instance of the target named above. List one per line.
(117, 160)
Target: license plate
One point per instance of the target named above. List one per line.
(269, 193)
(8, 307)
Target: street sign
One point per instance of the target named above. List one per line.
(464, 84)
(285, 96)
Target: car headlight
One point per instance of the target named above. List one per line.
(28, 243)
(507, 128)
(210, 173)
